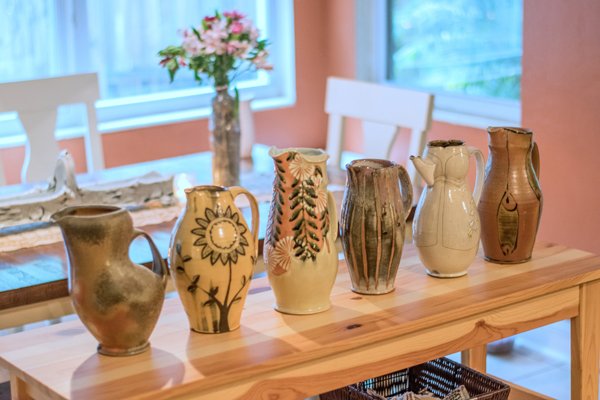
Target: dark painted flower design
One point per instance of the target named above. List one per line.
(222, 235)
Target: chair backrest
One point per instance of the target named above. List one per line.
(36, 102)
(383, 110)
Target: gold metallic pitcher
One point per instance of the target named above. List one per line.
(118, 301)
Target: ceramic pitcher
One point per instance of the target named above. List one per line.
(118, 301)
(373, 221)
(212, 257)
(299, 250)
(446, 227)
(511, 203)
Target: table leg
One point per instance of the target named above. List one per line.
(474, 357)
(585, 344)
(19, 390)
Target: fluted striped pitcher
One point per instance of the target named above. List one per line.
(374, 213)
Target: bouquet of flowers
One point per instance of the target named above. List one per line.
(222, 47)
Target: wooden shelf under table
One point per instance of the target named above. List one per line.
(279, 356)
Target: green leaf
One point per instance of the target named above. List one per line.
(278, 218)
(310, 182)
(277, 229)
(298, 224)
(296, 235)
(295, 193)
(311, 224)
(197, 33)
(277, 160)
(311, 192)
(310, 212)
(298, 252)
(313, 235)
(180, 270)
(295, 183)
(291, 156)
(318, 170)
(280, 198)
(303, 257)
(281, 178)
(295, 214)
(309, 201)
(295, 202)
(280, 168)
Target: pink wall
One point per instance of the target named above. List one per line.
(560, 102)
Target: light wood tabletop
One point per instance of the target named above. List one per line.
(279, 356)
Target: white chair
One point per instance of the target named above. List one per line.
(383, 110)
(36, 102)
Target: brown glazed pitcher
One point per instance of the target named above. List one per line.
(374, 213)
(511, 203)
(118, 301)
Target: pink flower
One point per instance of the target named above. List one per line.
(234, 15)
(210, 20)
(237, 28)
(212, 39)
(190, 43)
(260, 61)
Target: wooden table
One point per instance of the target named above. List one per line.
(279, 356)
(39, 274)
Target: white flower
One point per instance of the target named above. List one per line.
(321, 201)
(301, 169)
(284, 251)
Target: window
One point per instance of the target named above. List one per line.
(461, 46)
(466, 52)
(120, 40)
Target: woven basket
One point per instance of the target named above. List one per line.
(439, 376)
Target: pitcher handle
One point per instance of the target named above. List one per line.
(480, 168)
(333, 218)
(407, 190)
(535, 159)
(159, 266)
(235, 192)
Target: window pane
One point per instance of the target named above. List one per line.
(126, 36)
(465, 46)
(27, 39)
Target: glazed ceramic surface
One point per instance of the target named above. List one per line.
(225, 139)
(299, 250)
(118, 301)
(212, 257)
(511, 203)
(373, 221)
(446, 227)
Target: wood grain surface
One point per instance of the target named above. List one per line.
(281, 356)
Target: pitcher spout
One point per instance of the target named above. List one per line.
(425, 167)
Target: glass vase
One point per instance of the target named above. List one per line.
(225, 139)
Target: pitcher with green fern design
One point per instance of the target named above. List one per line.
(212, 257)
(299, 249)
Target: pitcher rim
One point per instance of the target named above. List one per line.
(513, 129)
(446, 143)
(321, 155)
(67, 212)
(389, 163)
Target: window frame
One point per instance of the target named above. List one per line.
(269, 90)
(372, 41)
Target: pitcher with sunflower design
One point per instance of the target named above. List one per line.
(212, 257)
(299, 249)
